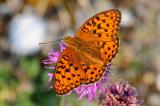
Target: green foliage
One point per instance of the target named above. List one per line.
(31, 67)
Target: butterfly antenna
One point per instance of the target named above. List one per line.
(50, 42)
(114, 63)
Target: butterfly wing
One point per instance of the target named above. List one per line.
(93, 72)
(68, 73)
(101, 30)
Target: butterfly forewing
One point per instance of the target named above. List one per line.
(68, 73)
(103, 25)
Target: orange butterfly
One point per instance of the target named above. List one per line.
(83, 61)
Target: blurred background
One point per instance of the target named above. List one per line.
(25, 23)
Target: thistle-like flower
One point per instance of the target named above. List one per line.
(88, 91)
(120, 94)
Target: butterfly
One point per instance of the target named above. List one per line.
(84, 59)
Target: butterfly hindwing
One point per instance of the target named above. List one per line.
(93, 72)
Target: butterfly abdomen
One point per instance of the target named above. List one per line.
(89, 50)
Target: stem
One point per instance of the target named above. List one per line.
(62, 101)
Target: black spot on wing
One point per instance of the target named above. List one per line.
(67, 70)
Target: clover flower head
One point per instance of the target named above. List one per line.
(121, 94)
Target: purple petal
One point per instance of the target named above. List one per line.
(48, 61)
(50, 67)
(52, 57)
(53, 53)
(62, 46)
(50, 75)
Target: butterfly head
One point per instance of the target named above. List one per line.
(67, 39)
(70, 41)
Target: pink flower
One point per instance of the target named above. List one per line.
(53, 57)
(88, 91)
(120, 94)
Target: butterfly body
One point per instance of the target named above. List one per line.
(83, 60)
(86, 49)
